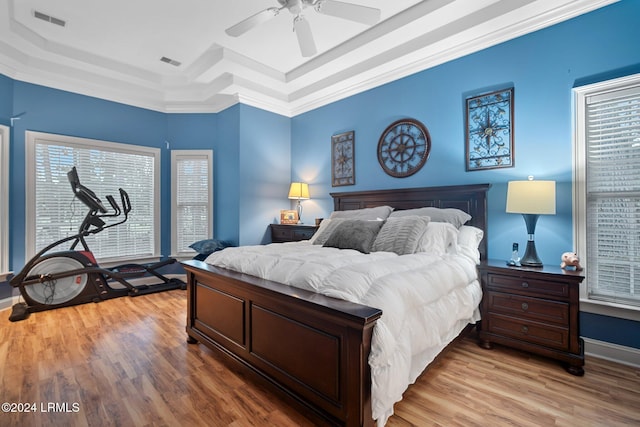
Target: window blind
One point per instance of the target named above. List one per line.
(103, 168)
(192, 198)
(612, 121)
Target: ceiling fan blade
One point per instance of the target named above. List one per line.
(252, 21)
(353, 12)
(305, 37)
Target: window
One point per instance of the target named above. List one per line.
(4, 206)
(191, 199)
(103, 167)
(607, 190)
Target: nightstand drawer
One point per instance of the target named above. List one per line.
(304, 234)
(529, 308)
(283, 233)
(529, 331)
(527, 285)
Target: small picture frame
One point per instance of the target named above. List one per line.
(288, 216)
(489, 131)
(343, 159)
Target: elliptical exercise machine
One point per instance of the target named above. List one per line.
(71, 277)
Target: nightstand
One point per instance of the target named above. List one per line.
(532, 309)
(291, 232)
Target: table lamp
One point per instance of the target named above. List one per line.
(299, 191)
(531, 199)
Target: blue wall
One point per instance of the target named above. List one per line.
(257, 153)
(6, 100)
(543, 67)
(258, 144)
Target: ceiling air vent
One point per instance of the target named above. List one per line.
(48, 18)
(170, 61)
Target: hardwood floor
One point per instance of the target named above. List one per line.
(125, 362)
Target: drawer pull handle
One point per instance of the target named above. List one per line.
(525, 306)
(525, 285)
(525, 329)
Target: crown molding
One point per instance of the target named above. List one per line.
(221, 77)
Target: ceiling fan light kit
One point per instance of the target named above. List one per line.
(353, 12)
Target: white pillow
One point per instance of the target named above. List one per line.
(450, 215)
(401, 235)
(469, 239)
(440, 238)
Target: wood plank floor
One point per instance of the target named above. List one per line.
(125, 362)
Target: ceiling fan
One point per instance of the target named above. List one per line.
(353, 12)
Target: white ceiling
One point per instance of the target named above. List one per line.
(112, 49)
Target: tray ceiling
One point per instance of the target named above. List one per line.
(113, 49)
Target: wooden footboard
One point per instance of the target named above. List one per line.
(313, 349)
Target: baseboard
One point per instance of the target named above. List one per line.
(616, 353)
(7, 303)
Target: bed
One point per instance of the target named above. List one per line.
(308, 346)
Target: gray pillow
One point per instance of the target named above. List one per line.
(327, 227)
(401, 234)
(354, 234)
(378, 213)
(451, 215)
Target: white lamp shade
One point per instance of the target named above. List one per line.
(299, 191)
(531, 197)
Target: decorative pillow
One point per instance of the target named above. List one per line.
(379, 213)
(469, 239)
(354, 234)
(206, 247)
(324, 231)
(450, 215)
(401, 234)
(440, 238)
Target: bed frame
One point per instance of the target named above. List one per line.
(310, 349)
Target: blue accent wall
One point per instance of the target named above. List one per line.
(258, 153)
(6, 100)
(542, 67)
(265, 172)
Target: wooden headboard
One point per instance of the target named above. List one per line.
(469, 198)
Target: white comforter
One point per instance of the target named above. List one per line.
(425, 300)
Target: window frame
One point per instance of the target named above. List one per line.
(175, 157)
(32, 137)
(580, 95)
(5, 138)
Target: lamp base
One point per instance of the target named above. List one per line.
(299, 209)
(530, 258)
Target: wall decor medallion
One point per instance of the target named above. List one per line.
(489, 133)
(343, 170)
(404, 148)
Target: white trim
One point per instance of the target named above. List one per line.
(176, 155)
(580, 95)
(5, 138)
(613, 352)
(31, 138)
(7, 303)
(610, 309)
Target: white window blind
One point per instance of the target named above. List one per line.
(103, 167)
(4, 198)
(192, 198)
(612, 139)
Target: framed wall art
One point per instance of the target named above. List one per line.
(343, 170)
(489, 131)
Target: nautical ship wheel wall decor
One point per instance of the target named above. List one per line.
(404, 148)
